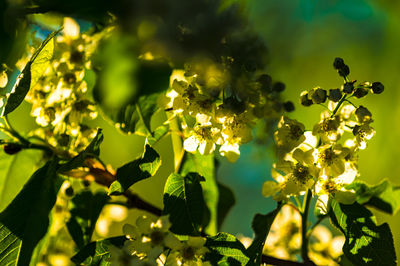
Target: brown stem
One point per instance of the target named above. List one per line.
(275, 261)
(134, 201)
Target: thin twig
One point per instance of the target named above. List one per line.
(275, 261)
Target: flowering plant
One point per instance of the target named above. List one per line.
(206, 102)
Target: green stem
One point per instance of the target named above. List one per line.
(351, 103)
(338, 105)
(320, 219)
(304, 221)
(13, 132)
(176, 141)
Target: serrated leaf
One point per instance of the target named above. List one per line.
(15, 171)
(384, 196)
(33, 70)
(25, 221)
(226, 200)
(366, 242)
(204, 165)
(136, 117)
(158, 133)
(85, 210)
(93, 149)
(261, 225)
(225, 249)
(184, 203)
(98, 252)
(135, 171)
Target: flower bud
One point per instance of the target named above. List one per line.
(86, 183)
(319, 96)
(12, 148)
(69, 191)
(335, 95)
(363, 114)
(266, 82)
(288, 106)
(377, 88)
(304, 100)
(356, 129)
(278, 87)
(360, 92)
(338, 63)
(344, 71)
(70, 78)
(348, 87)
(233, 104)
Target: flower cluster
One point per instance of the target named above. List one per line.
(151, 243)
(284, 239)
(59, 99)
(213, 113)
(324, 159)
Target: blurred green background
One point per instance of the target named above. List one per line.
(303, 37)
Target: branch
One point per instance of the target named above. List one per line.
(105, 178)
(134, 201)
(275, 261)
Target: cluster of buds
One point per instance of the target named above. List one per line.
(150, 242)
(211, 114)
(324, 159)
(348, 89)
(60, 101)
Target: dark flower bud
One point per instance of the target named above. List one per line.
(278, 87)
(70, 78)
(234, 104)
(348, 87)
(335, 95)
(338, 63)
(288, 106)
(360, 92)
(63, 140)
(12, 148)
(319, 96)
(266, 82)
(77, 57)
(305, 101)
(363, 115)
(377, 88)
(344, 71)
(69, 191)
(86, 183)
(356, 129)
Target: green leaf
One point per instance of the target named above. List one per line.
(384, 196)
(135, 171)
(225, 249)
(33, 70)
(261, 225)
(158, 133)
(184, 203)
(92, 150)
(366, 242)
(204, 165)
(85, 210)
(226, 201)
(15, 171)
(98, 252)
(25, 221)
(136, 117)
